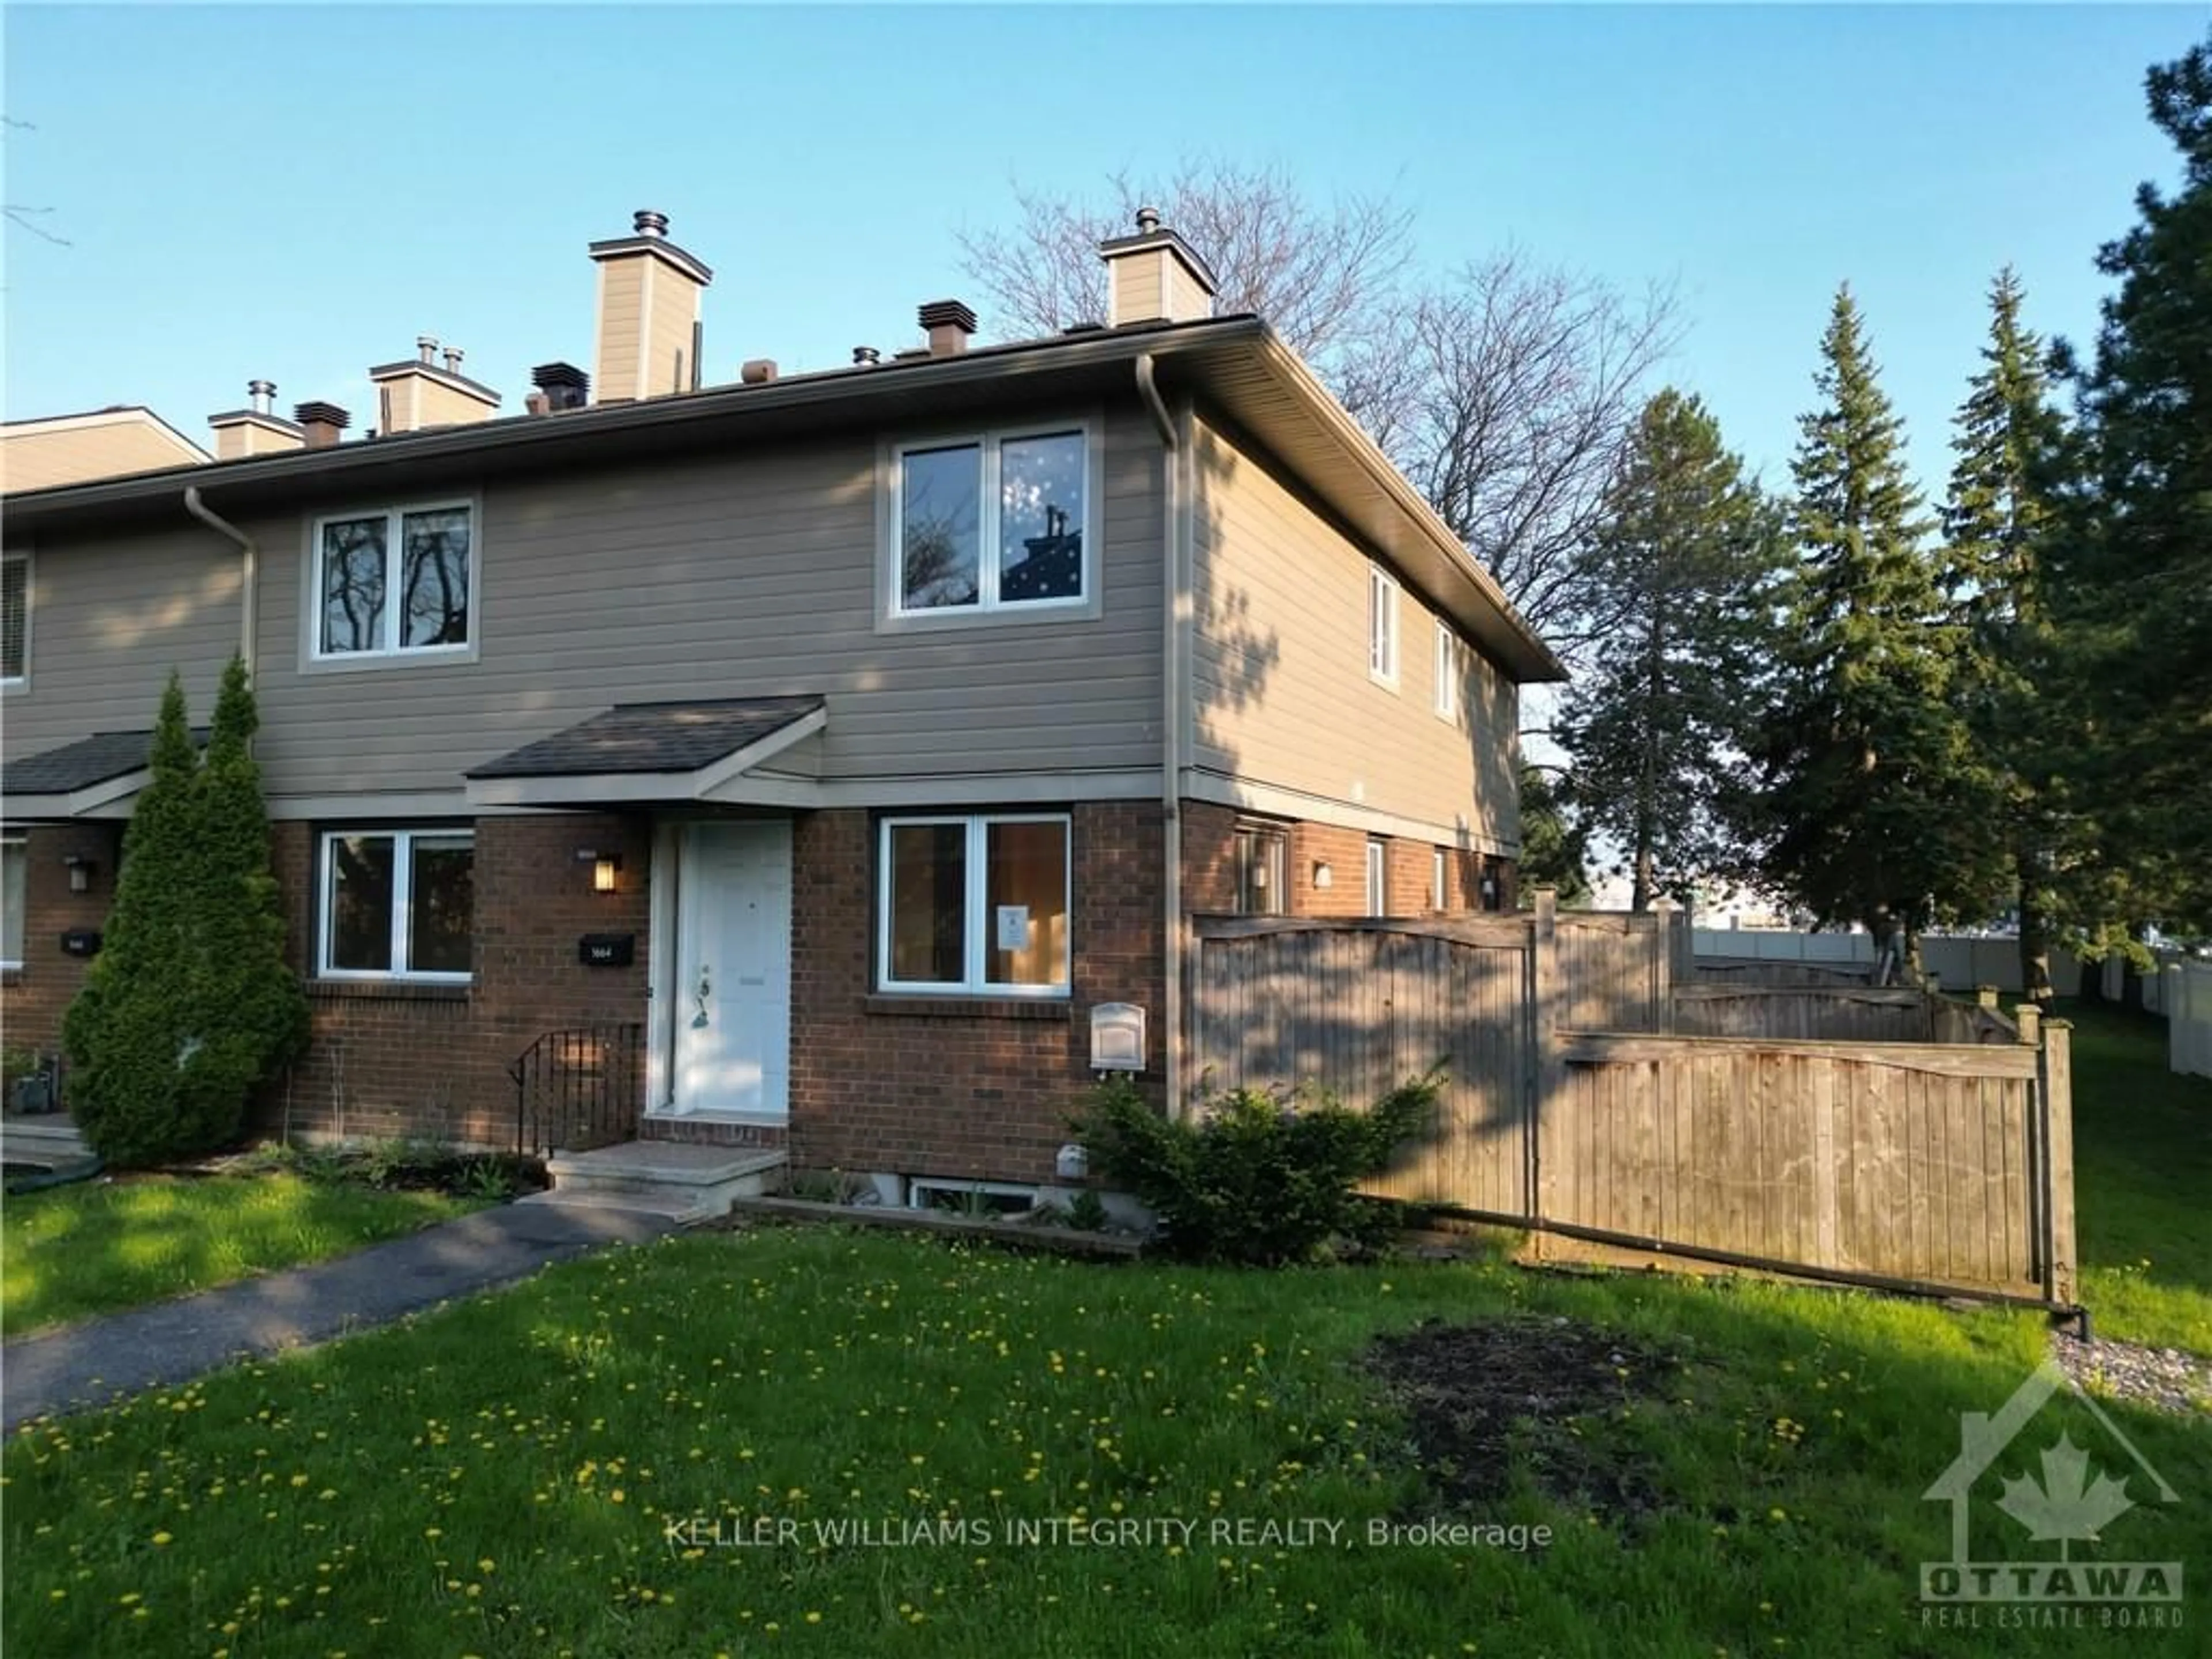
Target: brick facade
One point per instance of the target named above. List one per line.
(956, 1087)
(1209, 868)
(35, 997)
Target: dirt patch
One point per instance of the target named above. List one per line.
(1526, 1396)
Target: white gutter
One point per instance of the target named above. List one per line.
(249, 563)
(1175, 600)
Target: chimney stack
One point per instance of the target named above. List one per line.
(649, 296)
(257, 429)
(949, 324)
(1154, 276)
(321, 424)
(416, 393)
(563, 385)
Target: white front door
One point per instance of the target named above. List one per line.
(731, 999)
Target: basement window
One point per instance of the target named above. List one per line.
(397, 904)
(971, 1201)
(976, 905)
(989, 524)
(394, 583)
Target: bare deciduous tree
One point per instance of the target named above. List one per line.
(1507, 391)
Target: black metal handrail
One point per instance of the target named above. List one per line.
(578, 1088)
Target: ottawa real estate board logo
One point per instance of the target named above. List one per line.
(2061, 1494)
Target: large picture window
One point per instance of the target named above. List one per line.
(397, 904)
(975, 904)
(394, 583)
(992, 523)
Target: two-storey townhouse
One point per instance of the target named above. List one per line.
(854, 735)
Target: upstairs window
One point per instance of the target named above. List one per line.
(396, 583)
(1381, 627)
(993, 523)
(14, 618)
(1451, 672)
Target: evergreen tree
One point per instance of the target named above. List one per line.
(188, 1003)
(1655, 727)
(1875, 808)
(1553, 847)
(1999, 523)
(2137, 549)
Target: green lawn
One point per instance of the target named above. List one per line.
(2142, 1183)
(569, 1467)
(99, 1246)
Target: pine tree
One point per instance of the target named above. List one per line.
(1655, 727)
(1553, 847)
(2137, 560)
(1875, 808)
(188, 1003)
(1999, 522)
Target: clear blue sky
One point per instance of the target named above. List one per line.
(297, 194)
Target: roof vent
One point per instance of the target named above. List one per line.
(758, 371)
(261, 396)
(322, 423)
(1087, 327)
(453, 355)
(647, 222)
(865, 357)
(426, 347)
(1148, 221)
(949, 323)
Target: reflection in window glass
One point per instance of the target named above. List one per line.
(1026, 901)
(361, 902)
(11, 901)
(353, 585)
(433, 577)
(928, 902)
(441, 904)
(940, 513)
(1040, 518)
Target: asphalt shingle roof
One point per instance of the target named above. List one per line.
(80, 765)
(652, 736)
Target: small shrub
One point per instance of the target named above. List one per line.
(1086, 1213)
(486, 1178)
(1254, 1176)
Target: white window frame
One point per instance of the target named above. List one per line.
(22, 847)
(1378, 878)
(1382, 630)
(395, 553)
(403, 899)
(1273, 842)
(1451, 672)
(974, 969)
(894, 613)
(15, 682)
(1439, 880)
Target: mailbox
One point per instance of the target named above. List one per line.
(607, 950)
(81, 942)
(1117, 1037)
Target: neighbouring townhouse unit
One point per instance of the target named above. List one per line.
(834, 743)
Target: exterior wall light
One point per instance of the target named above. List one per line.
(80, 871)
(605, 867)
(1323, 877)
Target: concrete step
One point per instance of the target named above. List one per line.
(51, 1140)
(680, 1210)
(665, 1177)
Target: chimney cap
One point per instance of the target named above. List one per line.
(321, 414)
(1148, 221)
(865, 357)
(556, 374)
(939, 314)
(426, 346)
(648, 223)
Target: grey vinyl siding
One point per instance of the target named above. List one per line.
(1279, 675)
(108, 620)
(738, 574)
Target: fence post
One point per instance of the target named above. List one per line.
(1985, 996)
(1663, 966)
(2056, 1073)
(1544, 959)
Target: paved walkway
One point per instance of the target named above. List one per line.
(91, 1362)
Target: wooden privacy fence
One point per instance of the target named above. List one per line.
(1877, 1136)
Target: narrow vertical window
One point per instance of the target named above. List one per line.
(1382, 626)
(14, 618)
(1440, 880)
(1378, 879)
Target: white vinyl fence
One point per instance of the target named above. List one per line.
(2188, 1000)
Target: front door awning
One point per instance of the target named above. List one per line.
(95, 777)
(650, 752)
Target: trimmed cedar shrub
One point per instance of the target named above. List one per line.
(1255, 1176)
(189, 1004)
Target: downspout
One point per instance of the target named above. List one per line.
(249, 565)
(1175, 600)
